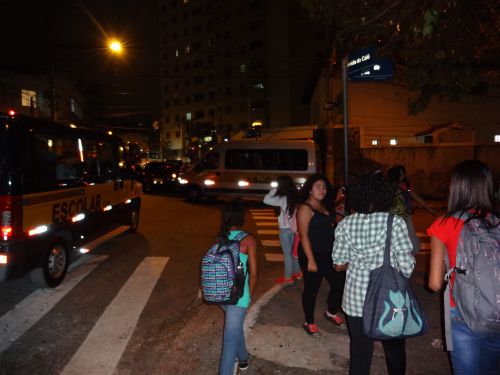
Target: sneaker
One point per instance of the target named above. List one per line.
(243, 365)
(311, 329)
(335, 319)
(284, 281)
(297, 276)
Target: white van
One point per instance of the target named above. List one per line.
(248, 168)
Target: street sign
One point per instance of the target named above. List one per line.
(360, 60)
(378, 69)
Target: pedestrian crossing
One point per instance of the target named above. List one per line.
(107, 340)
(269, 238)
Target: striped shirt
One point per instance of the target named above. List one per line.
(360, 241)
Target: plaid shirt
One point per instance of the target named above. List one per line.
(360, 241)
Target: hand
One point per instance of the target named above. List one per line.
(311, 266)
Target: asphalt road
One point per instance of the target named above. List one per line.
(134, 306)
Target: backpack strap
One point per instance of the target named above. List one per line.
(446, 303)
(387, 251)
(240, 236)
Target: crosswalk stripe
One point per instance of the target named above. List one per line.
(270, 217)
(105, 344)
(25, 314)
(270, 243)
(262, 210)
(267, 223)
(273, 257)
(267, 231)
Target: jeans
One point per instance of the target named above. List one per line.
(473, 353)
(312, 283)
(286, 241)
(234, 347)
(361, 351)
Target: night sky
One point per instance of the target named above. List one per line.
(123, 90)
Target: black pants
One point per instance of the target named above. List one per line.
(361, 351)
(312, 282)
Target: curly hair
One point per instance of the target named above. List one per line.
(370, 193)
(328, 202)
(232, 214)
(286, 188)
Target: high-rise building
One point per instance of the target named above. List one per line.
(228, 64)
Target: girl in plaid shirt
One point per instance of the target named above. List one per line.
(359, 247)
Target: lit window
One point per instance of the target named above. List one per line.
(28, 98)
(243, 68)
(375, 142)
(188, 116)
(497, 138)
(176, 53)
(187, 49)
(393, 141)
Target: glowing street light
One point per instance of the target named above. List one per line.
(115, 46)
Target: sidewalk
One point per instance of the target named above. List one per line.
(278, 344)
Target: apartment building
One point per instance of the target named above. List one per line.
(226, 64)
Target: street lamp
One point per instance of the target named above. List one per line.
(115, 46)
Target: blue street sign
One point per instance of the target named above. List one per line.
(378, 69)
(360, 59)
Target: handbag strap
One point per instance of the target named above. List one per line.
(387, 251)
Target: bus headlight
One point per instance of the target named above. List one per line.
(243, 183)
(183, 181)
(209, 182)
(274, 184)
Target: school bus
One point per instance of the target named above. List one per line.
(248, 168)
(60, 189)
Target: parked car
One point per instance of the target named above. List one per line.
(161, 175)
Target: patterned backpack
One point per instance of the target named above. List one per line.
(476, 289)
(222, 273)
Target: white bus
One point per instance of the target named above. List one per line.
(248, 168)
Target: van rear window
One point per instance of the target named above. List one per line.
(267, 159)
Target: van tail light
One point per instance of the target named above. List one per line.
(11, 216)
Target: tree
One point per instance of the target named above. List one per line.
(441, 48)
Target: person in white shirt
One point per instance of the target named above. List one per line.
(284, 196)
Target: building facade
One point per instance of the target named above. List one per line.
(229, 64)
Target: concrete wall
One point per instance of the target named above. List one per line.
(428, 167)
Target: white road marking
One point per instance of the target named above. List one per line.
(260, 217)
(263, 210)
(270, 243)
(272, 257)
(422, 234)
(267, 231)
(273, 223)
(105, 344)
(30, 310)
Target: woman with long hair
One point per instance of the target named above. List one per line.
(284, 196)
(359, 247)
(234, 347)
(471, 198)
(315, 220)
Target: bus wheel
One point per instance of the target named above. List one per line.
(193, 194)
(133, 220)
(54, 266)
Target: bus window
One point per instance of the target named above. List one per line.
(210, 161)
(99, 161)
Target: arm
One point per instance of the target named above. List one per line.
(436, 272)
(421, 202)
(304, 216)
(272, 199)
(401, 247)
(340, 250)
(251, 249)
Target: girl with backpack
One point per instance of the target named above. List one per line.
(234, 347)
(284, 196)
(470, 202)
